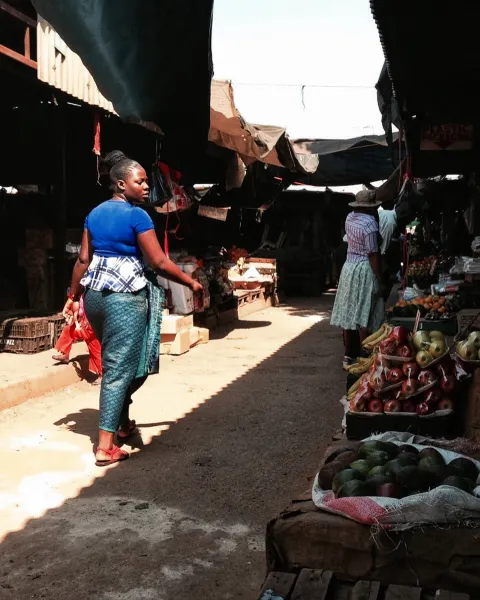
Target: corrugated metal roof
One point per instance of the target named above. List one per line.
(62, 68)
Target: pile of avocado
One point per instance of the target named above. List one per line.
(389, 470)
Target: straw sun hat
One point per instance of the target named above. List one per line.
(365, 199)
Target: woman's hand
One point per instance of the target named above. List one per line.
(70, 311)
(196, 287)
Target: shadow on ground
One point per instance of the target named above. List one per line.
(185, 517)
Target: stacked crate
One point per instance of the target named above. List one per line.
(25, 336)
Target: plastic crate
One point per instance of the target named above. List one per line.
(24, 328)
(56, 324)
(26, 345)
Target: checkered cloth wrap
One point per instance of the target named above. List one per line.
(115, 273)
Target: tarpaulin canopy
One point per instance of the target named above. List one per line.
(264, 143)
(350, 161)
(151, 59)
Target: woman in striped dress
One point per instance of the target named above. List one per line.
(359, 307)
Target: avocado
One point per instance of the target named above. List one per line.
(407, 448)
(407, 460)
(462, 467)
(374, 459)
(353, 488)
(393, 467)
(344, 477)
(368, 447)
(412, 479)
(462, 483)
(377, 481)
(434, 471)
(432, 453)
(361, 466)
(336, 453)
(379, 470)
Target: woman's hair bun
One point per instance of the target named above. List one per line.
(113, 158)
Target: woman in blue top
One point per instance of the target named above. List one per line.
(123, 303)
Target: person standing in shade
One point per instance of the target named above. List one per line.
(359, 306)
(123, 302)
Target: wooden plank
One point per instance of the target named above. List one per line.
(17, 14)
(27, 42)
(402, 592)
(365, 590)
(444, 595)
(277, 586)
(17, 56)
(312, 584)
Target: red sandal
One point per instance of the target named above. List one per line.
(132, 430)
(115, 454)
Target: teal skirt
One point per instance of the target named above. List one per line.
(358, 303)
(128, 328)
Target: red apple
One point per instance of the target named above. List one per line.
(433, 396)
(394, 375)
(393, 406)
(445, 404)
(400, 334)
(409, 387)
(375, 406)
(357, 404)
(405, 351)
(377, 380)
(424, 409)
(426, 377)
(388, 347)
(411, 369)
(409, 406)
(365, 391)
(448, 383)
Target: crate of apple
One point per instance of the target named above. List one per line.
(430, 347)
(397, 347)
(469, 349)
(406, 389)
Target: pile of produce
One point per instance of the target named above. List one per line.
(430, 307)
(386, 469)
(235, 254)
(421, 269)
(469, 349)
(404, 375)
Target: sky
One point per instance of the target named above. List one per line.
(270, 49)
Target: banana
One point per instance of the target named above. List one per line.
(373, 336)
(353, 388)
(359, 369)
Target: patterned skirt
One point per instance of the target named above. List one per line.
(358, 302)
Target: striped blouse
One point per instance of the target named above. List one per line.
(362, 236)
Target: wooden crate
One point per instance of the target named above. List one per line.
(323, 585)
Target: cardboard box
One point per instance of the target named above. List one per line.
(173, 324)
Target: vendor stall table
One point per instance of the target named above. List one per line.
(319, 585)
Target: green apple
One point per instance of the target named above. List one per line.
(474, 338)
(423, 358)
(437, 348)
(421, 340)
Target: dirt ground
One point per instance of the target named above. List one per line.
(229, 433)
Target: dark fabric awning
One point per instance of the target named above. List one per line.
(351, 161)
(152, 59)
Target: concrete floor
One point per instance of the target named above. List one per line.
(229, 433)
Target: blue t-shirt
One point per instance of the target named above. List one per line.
(114, 226)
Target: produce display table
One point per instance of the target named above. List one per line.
(446, 326)
(304, 537)
(312, 584)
